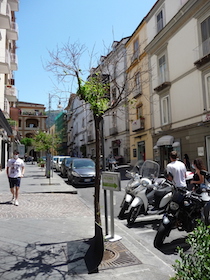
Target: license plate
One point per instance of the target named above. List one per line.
(87, 180)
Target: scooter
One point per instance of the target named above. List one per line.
(135, 175)
(112, 164)
(144, 193)
(143, 202)
(134, 182)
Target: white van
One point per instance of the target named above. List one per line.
(58, 162)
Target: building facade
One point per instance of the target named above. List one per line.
(178, 49)
(8, 64)
(31, 119)
(139, 89)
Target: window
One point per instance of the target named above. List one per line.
(114, 95)
(137, 83)
(114, 119)
(135, 50)
(207, 87)
(139, 111)
(159, 19)
(165, 110)
(162, 69)
(205, 36)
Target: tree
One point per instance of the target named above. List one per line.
(65, 64)
(27, 141)
(45, 142)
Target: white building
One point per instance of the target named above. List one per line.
(179, 51)
(8, 64)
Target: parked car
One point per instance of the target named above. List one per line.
(54, 159)
(59, 161)
(81, 171)
(65, 165)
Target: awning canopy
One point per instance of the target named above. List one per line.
(176, 144)
(4, 124)
(165, 141)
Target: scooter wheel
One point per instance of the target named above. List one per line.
(206, 211)
(123, 209)
(132, 215)
(161, 235)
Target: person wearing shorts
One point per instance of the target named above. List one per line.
(15, 171)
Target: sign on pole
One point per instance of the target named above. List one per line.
(111, 181)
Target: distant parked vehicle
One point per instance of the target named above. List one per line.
(59, 161)
(54, 160)
(65, 166)
(81, 171)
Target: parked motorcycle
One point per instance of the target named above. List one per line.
(182, 212)
(144, 201)
(144, 193)
(135, 179)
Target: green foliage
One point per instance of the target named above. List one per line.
(27, 141)
(197, 264)
(44, 141)
(94, 92)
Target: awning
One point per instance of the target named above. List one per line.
(176, 144)
(4, 124)
(165, 140)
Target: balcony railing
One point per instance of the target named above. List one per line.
(12, 32)
(113, 130)
(162, 81)
(10, 91)
(28, 113)
(90, 138)
(202, 53)
(14, 4)
(137, 91)
(14, 61)
(138, 124)
(4, 61)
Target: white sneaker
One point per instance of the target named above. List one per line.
(16, 203)
(13, 200)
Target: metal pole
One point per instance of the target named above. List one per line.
(112, 213)
(104, 168)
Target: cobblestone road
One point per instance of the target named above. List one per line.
(43, 206)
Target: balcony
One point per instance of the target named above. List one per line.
(138, 124)
(4, 21)
(90, 138)
(162, 81)
(137, 91)
(13, 62)
(11, 93)
(12, 32)
(32, 113)
(4, 61)
(202, 54)
(14, 5)
(113, 130)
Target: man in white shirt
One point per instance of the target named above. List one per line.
(177, 169)
(15, 171)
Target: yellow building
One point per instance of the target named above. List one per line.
(139, 94)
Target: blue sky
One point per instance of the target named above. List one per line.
(46, 24)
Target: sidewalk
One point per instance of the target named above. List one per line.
(45, 236)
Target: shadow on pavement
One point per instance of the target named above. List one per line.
(171, 247)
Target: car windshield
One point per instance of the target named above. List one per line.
(83, 164)
(68, 161)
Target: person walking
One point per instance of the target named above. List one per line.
(178, 170)
(15, 171)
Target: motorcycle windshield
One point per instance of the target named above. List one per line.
(150, 169)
